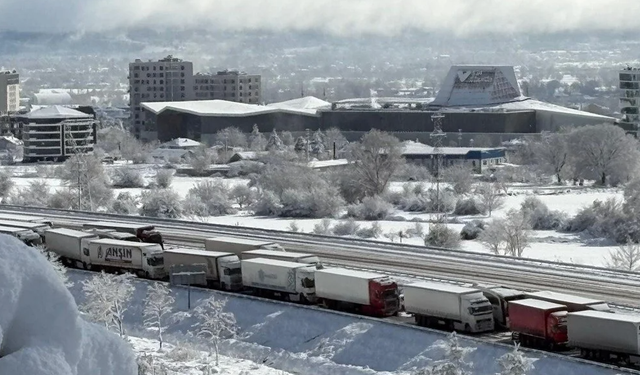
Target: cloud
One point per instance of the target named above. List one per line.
(341, 17)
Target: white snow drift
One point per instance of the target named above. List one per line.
(41, 331)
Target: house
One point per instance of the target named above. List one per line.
(478, 159)
(181, 144)
(247, 155)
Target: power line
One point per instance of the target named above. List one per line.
(437, 136)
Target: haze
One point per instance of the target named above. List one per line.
(343, 17)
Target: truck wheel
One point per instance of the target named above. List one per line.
(467, 327)
(86, 266)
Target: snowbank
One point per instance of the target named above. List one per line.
(41, 331)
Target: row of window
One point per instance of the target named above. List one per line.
(156, 67)
(224, 88)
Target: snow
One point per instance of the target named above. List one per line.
(309, 340)
(41, 331)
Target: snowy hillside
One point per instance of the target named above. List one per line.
(311, 341)
(41, 331)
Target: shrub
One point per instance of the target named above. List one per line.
(460, 178)
(371, 208)
(446, 203)
(194, 208)
(605, 219)
(6, 184)
(267, 204)
(316, 202)
(164, 177)
(442, 236)
(416, 231)
(540, 217)
(125, 204)
(163, 203)
(293, 227)
(346, 228)
(472, 230)
(36, 194)
(323, 227)
(245, 168)
(127, 177)
(243, 195)
(374, 231)
(468, 206)
(413, 172)
(214, 193)
(64, 199)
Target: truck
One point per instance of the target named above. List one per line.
(281, 255)
(145, 232)
(272, 278)
(361, 292)
(573, 303)
(39, 228)
(238, 245)
(538, 324)
(26, 218)
(72, 246)
(448, 306)
(113, 234)
(27, 236)
(499, 297)
(223, 269)
(605, 336)
(144, 259)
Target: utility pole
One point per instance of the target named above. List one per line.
(437, 137)
(69, 141)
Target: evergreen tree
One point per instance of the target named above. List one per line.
(274, 143)
(515, 363)
(256, 139)
(301, 145)
(316, 144)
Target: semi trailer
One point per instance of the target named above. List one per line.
(281, 255)
(500, 297)
(145, 232)
(72, 246)
(27, 236)
(238, 245)
(449, 306)
(223, 269)
(276, 278)
(367, 293)
(573, 303)
(141, 258)
(538, 324)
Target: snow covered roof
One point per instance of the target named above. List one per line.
(221, 108)
(532, 104)
(180, 143)
(450, 288)
(170, 153)
(56, 111)
(635, 319)
(536, 303)
(52, 97)
(416, 148)
(327, 163)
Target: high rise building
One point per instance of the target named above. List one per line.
(9, 91)
(165, 80)
(630, 96)
(230, 85)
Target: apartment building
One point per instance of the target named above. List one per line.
(230, 85)
(9, 91)
(630, 96)
(166, 80)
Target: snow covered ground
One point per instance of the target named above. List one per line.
(312, 341)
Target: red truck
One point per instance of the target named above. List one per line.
(538, 324)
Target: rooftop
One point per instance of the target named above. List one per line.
(416, 148)
(608, 316)
(351, 273)
(536, 303)
(180, 143)
(58, 112)
(450, 288)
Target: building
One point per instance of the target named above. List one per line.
(55, 133)
(228, 85)
(630, 96)
(9, 91)
(478, 159)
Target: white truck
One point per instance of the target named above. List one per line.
(71, 245)
(606, 336)
(281, 255)
(279, 279)
(357, 291)
(39, 228)
(27, 236)
(238, 245)
(573, 303)
(454, 307)
(223, 269)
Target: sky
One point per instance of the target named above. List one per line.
(338, 17)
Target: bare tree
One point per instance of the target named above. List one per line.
(603, 152)
(201, 159)
(54, 260)
(516, 233)
(332, 137)
(157, 306)
(552, 153)
(515, 363)
(6, 184)
(231, 137)
(243, 195)
(107, 296)
(492, 237)
(490, 197)
(626, 257)
(460, 177)
(257, 142)
(215, 324)
(376, 159)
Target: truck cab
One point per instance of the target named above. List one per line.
(384, 295)
(153, 262)
(230, 271)
(499, 297)
(306, 278)
(480, 312)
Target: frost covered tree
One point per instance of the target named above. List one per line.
(333, 136)
(300, 145)
(6, 184)
(127, 177)
(257, 142)
(231, 137)
(492, 236)
(516, 233)
(164, 203)
(201, 159)
(604, 152)
(376, 159)
(460, 177)
(454, 360)
(552, 154)
(515, 363)
(243, 195)
(157, 307)
(36, 194)
(215, 324)
(215, 195)
(107, 299)
(490, 197)
(125, 204)
(56, 263)
(164, 177)
(626, 257)
(316, 144)
(274, 143)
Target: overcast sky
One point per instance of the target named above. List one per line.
(343, 17)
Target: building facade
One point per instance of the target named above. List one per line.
(230, 85)
(9, 92)
(630, 96)
(55, 133)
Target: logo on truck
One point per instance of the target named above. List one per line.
(263, 275)
(116, 254)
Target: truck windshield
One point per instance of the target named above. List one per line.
(308, 283)
(389, 293)
(232, 271)
(479, 310)
(155, 261)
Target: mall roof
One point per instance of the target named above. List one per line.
(56, 111)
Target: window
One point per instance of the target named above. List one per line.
(136, 68)
(484, 162)
(182, 95)
(154, 67)
(161, 68)
(162, 81)
(181, 67)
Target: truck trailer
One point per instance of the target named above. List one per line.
(113, 234)
(538, 324)
(282, 255)
(450, 306)
(145, 232)
(25, 218)
(141, 258)
(238, 245)
(605, 336)
(39, 228)
(499, 297)
(223, 269)
(361, 292)
(279, 279)
(27, 236)
(72, 246)
(573, 303)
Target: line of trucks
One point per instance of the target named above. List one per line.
(545, 320)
